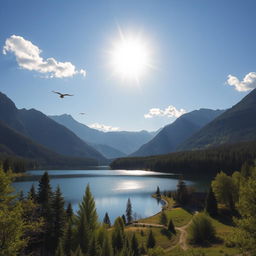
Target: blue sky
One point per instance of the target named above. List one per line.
(194, 46)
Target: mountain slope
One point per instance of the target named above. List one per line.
(37, 126)
(12, 143)
(126, 142)
(172, 135)
(108, 152)
(235, 125)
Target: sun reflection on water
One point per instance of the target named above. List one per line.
(128, 185)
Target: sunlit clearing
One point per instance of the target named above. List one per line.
(130, 57)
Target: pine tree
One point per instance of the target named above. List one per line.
(158, 194)
(211, 206)
(151, 242)
(59, 250)
(67, 241)
(59, 218)
(87, 220)
(106, 220)
(44, 201)
(78, 252)
(163, 218)
(69, 212)
(107, 249)
(94, 249)
(171, 227)
(118, 236)
(32, 194)
(124, 219)
(135, 246)
(182, 192)
(129, 211)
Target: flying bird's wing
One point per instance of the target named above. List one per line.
(66, 94)
(57, 92)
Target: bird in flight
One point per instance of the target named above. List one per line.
(62, 95)
(82, 113)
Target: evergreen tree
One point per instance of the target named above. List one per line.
(21, 196)
(158, 194)
(59, 217)
(124, 219)
(78, 252)
(182, 192)
(151, 242)
(129, 211)
(87, 220)
(44, 201)
(106, 220)
(32, 194)
(163, 218)
(59, 250)
(211, 206)
(118, 236)
(67, 241)
(171, 227)
(69, 212)
(135, 246)
(107, 249)
(94, 249)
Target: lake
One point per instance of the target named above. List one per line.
(110, 188)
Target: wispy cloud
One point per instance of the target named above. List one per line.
(248, 83)
(170, 111)
(104, 128)
(28, 57)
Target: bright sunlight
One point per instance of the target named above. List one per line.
(130, 57)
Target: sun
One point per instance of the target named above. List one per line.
(130, 57)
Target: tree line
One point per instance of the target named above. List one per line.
(40, 224)
(226, 157)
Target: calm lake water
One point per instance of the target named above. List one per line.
(110, 188)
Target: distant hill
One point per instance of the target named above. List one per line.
(43, 130)
(172, 135)
(126, 142)
(235, 125)
(12, 143)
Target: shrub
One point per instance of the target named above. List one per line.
(201, 230)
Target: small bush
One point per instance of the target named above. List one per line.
(201, 230)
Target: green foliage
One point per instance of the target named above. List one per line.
(124, 219)
(151, 242)
(87, 220)
(58, 217)
(224, 189)
(106, 220)
(135, 246)
(171, 227)
(129, 211)
(69, 212)
(181, 195)
(94, 249)
(163, 218)
(67, 240)
(211, 206)
(13, 225)
(158, 251)
(201, 230)
(107, 247)
(246, 237)
(118, 235)
(32, 194)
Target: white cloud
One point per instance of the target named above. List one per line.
(170, 111)
(248, 83)
(104, 128)
(28, 57)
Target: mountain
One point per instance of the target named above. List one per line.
(172, 135)
(108, 152)
(126, 142)
(43, 130)
(235, 125)
(13, 143)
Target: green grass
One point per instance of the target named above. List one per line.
(163, 240)
(179, 216)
